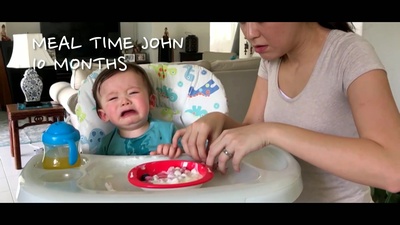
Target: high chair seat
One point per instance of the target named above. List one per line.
(184, 93)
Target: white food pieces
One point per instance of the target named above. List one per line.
(109, 186)
(175, 175)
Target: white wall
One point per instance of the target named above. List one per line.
(22, 27)
(385, 37)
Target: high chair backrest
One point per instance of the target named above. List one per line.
(184, 93)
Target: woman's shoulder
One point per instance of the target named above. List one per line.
(349, 46)
(341, 39)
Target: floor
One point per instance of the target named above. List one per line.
(8, 173)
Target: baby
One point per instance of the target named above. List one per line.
(124, 96)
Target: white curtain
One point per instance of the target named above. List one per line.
(222, 36)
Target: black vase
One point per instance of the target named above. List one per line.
(191, 44)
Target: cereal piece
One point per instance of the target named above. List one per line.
(109, 186)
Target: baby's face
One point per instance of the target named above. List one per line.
(125, 100)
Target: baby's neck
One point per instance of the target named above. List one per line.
(136, 130)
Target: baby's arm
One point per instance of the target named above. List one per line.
(167, 150)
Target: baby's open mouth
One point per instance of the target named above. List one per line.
(128, 112)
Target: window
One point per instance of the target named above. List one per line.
(358, 26)
(222, 36)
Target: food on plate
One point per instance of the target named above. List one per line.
(173, 175)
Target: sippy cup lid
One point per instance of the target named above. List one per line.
(59, 133)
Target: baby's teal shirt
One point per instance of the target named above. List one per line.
(159, 132)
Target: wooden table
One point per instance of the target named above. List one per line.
(35, 116)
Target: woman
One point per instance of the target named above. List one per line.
(323, 95)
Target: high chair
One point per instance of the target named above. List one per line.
(184, 94)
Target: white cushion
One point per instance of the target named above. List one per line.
(56, 88)
(80, 71)
(61, 92)
(91, 128)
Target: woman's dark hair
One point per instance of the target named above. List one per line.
(343, 26)
(113, 70)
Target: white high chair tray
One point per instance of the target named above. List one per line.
(268, 175)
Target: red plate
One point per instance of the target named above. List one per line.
(156, 167)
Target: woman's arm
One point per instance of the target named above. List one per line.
(374, 158)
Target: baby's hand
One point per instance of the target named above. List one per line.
(167, 150)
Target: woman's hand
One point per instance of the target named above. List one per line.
(235, 144)
(196, 138)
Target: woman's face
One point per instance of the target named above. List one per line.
(271, 39)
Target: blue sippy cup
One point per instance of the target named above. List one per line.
(61, 146)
